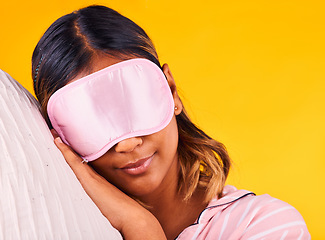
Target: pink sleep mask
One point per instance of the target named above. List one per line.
(128, 99)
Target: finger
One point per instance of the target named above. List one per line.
(54, 133)
(83, 171)
(70, 156)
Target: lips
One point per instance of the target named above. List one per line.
(138, 167)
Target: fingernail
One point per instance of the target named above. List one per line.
(58, 139)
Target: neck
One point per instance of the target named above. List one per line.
(173, 213)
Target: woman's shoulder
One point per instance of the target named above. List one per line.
(240, 214)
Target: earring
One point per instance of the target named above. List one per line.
(175, 108)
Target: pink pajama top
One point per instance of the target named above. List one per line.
(239, 214)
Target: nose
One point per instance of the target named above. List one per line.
(128, 145)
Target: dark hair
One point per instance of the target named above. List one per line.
(70, 43)
(67, 49)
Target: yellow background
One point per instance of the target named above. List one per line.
(251, 73)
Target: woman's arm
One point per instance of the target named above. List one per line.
(125, 214)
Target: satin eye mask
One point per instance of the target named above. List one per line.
(128, 99)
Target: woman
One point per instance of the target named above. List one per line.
(151, 171)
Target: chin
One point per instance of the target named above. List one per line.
(142, 188)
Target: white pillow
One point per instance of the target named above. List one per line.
(40, 197)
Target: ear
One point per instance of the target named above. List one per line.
(172, 85)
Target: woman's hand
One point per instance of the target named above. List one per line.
(125, 214)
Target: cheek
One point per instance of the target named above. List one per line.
(174, 133)
(102, 166)
(169, 137)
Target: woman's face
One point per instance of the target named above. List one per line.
(144, 165)
(141, 166)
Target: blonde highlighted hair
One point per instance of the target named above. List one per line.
(204, 162)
